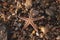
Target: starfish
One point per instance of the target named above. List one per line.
(29, 21)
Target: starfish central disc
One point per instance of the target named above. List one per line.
(28, 19)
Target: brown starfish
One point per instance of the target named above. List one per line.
(30, 21)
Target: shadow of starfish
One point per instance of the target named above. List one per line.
(30, 21)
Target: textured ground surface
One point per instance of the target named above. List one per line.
(29, 19)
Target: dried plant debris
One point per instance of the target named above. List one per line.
(28, 4)
(29, 19)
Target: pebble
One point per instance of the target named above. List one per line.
(49, 12)
(16, 28)
(34, 12)
(37, 33)
(58, 38)
(19, 25)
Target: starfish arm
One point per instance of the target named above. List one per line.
(25, 25)
(30, 15)
(35, 19)
(23, 18)
(34, 26)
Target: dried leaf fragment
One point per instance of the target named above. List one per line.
(28, 3)
(43, 29)
(33, 32)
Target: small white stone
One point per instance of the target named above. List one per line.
(19, 24)
(13, 13)
(58, 38)
(37, 33)
(16, 28)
